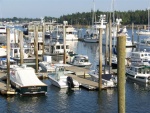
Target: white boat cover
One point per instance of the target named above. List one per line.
(27, 77)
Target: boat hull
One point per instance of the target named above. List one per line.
(24, 90)
(129, 76)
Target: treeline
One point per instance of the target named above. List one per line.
(85, 18)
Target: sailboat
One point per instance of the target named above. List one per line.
(145, 31)
(92, 34)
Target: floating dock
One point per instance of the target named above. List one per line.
(3, 88)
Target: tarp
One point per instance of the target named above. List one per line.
(27, 77)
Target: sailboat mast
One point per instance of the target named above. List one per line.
(113, 11)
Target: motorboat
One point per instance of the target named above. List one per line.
(140, 58)
(56, 48)
(79, 60)
(138, 73)
(28, 56)
(3, 52)
(71, 34)
(92, 33)
(25, 81)
(3, 63)
(108, 80)
(47, 66)
(114, 61)
(30, 41)
(93, 38)
(143, 32)
(128, 38)
(144, 43)
(59, 79)
(2, 34)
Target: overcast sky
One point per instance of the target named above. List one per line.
(57, 8)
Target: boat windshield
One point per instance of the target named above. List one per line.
(144, 70)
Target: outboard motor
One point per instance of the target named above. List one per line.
(70, 82)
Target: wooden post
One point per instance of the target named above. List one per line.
(21, 47)
(138, 41)
(36, 48)
(132, 34)
(121, 47)
(15, 36)
(43, 39)
(106, 47)
(64, 39)
(100, 59)
(8, 59)
(144, 27)
(110, 46)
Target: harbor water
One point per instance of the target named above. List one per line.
(80, 100)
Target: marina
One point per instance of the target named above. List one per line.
(84, 62)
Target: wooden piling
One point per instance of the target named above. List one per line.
(8, 59)
(138, 40)
(43, 39)
(121, 47)
(110, 45)
(21, 47)
(64, 39)
(132, 34)
(100, 59)
(36, 48)
(106, 47)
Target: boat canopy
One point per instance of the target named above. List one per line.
(27, 77)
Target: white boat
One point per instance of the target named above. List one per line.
(144, 43)
(47, 66)
(26, 81)
(114, 61)
(59, 79)
(92, 34)
(140, 58)
(143, 32)
(30, 41)
(2, 34)
(108, 80)
(28, 56)
(128, 38)
(71, 34)
(3, 52)
(139, 73)
(56, 48)
(3, 63)
(147, 30)
(79, 60)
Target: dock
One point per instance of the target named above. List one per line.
(3, 88)
(77, 73)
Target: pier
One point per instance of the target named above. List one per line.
(3, 88)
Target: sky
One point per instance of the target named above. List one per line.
(57, 8)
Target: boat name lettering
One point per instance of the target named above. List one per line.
(34, 88)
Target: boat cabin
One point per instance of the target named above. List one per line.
(15, 52)
(140, 70)
(140, 58)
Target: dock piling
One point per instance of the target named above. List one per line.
(121, 42)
